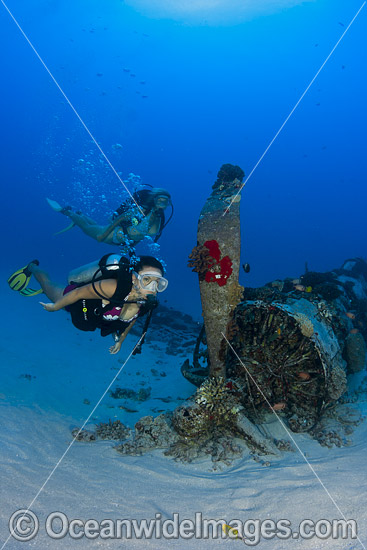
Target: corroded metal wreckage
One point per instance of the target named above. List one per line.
(207, 423)
(293, 344)
(288, 349)
(216, 259)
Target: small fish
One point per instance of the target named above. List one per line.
(99, 74)
(126, 70)
(350, 315)
(301, 288)
(308, 288)
(341, 24)
(303, 375)
(354, 331)
(296, 281)
(279, 406)
(279, 331)
(246, 268)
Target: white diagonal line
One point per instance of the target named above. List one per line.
(292, 438)
(294, 108)
(71, 106)
(73, 441)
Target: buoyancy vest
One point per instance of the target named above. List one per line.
(92, 314)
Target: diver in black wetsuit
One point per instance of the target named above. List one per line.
(117, 295)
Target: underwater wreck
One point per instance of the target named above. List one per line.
(284, 349)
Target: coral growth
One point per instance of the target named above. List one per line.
(206, 261)
(188, 421)
(355, 352)
(235, 294)
(232, 331)
(125, 393)
(159, 433)
(213, 397)
(337, 383)
(228, 173)
(324, 311)
(150, 433)
(221, 448)
(83, 435)
(214, 405)
(220, 269)
(114, 430)
(305, 324)
(200, 260)
(336, 424)
(301, 422)
(204, 426)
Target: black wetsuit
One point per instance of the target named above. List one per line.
(91, 314)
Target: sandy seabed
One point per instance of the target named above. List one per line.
(51, 378)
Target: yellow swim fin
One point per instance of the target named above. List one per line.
(30, 292)
(19, 279)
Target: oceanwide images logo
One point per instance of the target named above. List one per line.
(24, 525)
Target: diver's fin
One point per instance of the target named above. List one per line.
(65, 229)
(62, 209)
(54, 205)
(19, 279)
(30, 292)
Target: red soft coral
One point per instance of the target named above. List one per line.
(213, 248)
(225, 265)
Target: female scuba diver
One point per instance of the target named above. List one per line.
(138, 217)
(108, 295)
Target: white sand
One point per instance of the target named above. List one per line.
(94, 481)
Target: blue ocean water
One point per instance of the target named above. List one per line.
(202, 94)
(171, 90)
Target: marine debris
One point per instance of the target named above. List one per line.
(290, 353)
(219, 233)
(204, 426)
(290, 348)
(112, 430)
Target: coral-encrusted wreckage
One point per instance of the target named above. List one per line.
(284, 349)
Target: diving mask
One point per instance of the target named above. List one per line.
(162, 200)
(150, 280)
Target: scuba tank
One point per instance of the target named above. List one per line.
(93, 271)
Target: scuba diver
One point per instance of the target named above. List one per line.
(138, 217)
(109, 294)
